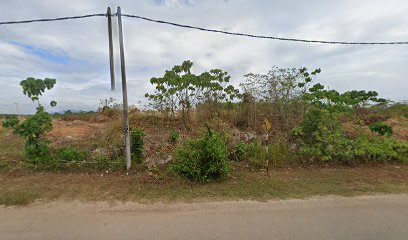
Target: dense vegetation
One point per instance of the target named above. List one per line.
(202, 159)
(200, 122)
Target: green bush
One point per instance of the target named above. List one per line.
(398, 109)
(37, 150)
(174, 137)
(376, 150)
(71, 154)
(203, 159)
(321, 139)
(136, 147)
(240, 151)
(381, 128)
(401, 148)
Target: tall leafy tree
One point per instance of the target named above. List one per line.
(179, 90)
(282, 89)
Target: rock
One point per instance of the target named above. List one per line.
(165, 161)
(265, 138)
(249, 136)
(70, 138)
(152, 174)
(150, 163)
(101, 152)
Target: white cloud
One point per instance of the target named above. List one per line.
(152, 48)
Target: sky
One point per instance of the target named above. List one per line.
(75, 52)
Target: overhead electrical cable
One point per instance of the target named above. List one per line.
(210, 30)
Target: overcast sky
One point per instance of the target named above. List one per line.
(76, 52)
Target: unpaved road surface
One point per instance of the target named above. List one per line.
(368, 217)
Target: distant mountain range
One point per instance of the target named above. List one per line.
(70, 111)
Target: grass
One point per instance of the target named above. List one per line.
(11, 149)
(19, 197)
(23, 188)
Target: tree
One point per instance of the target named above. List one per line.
(215, 89)
(282, 89)
(179, 90)
(34, 127)
(334, 101)
(175, 90)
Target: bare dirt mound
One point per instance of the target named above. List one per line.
(69, 131)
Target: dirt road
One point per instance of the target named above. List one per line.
(369, 217)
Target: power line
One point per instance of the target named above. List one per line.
(262, 36)
(53, 19)
(207, 30)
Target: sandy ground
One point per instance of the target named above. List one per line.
(367, 217)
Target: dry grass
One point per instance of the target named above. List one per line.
(23, 188)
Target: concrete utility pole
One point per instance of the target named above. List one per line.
(112, 68)
(124, 92)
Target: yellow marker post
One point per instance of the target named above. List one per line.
(266, 125)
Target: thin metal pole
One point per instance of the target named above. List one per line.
(18, 111)
(112, 68)
(124, 91)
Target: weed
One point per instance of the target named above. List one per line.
(280, 153)
(240, 151)
(381, 128)
(256, 154)
(137, 144)
(174, 137)
(71, 154)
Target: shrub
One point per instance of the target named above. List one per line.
(203, 159)
(381, 128)
(401, 148)
(376, 150)
(37, 150)
(321, 138)
(398, 109)
(71, 154)
(136, 147)
(240, 151)
(174, 137)
(34, 128)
